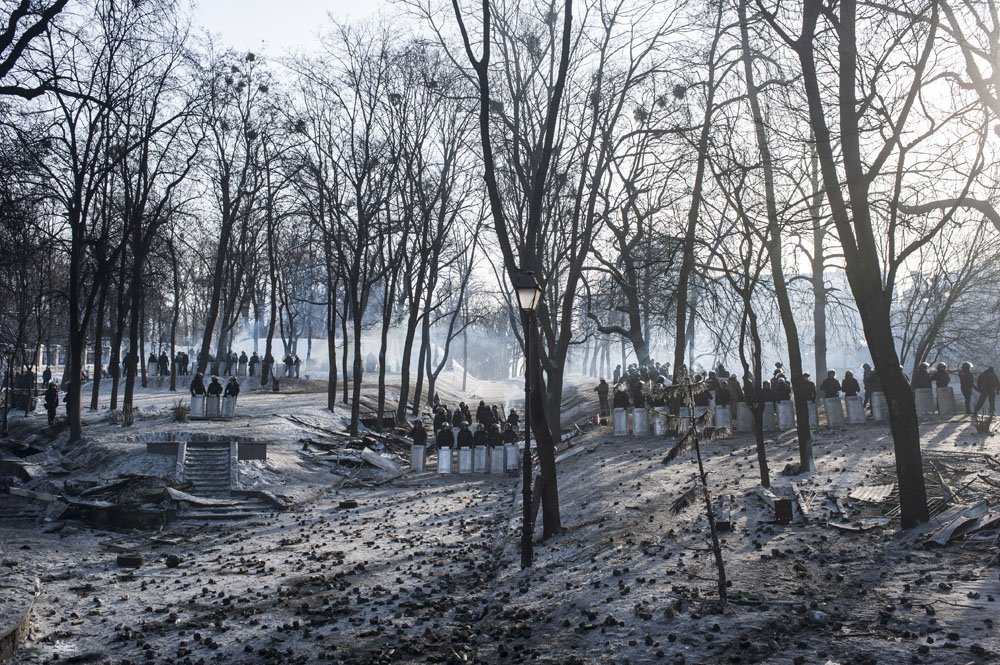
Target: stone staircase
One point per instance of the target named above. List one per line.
(207, 468)
(19, 509)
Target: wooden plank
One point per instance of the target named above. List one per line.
(723, 513)
(383, 463)
(872, 493)
(803, 507)
(37, 496)
(569, 453)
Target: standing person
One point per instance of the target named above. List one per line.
(197, 385)
(243, 363)
(254, 363)
(602, 395)
(618, 374)
(479, 438)
(51, 402)
(921, 377)
(440, 417)
(445, 438)
(850, 385)
(232, 388)
(866, 378)
(830, 385)
(214, 388)
(941, 376)
(297, 363)
(496, 415)
(164, 363)
(152, 364)
(418, 435)
(722, 396)
(288, 365)
(267, 368)
(484, 416)
(493, 437)
(810, 388)
(621, 397)
(988, 384)
(47, 375)
(465, 438)
(513, 419)
(966, 382)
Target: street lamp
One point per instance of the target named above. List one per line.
(8, 356)
(528, 296)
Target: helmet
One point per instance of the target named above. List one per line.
(445, 425)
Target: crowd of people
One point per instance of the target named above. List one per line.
(453, 428)
(645, 385)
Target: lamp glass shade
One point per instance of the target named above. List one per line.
(528, 291)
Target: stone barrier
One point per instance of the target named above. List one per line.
(465, 460)
(444, 460)
(744, 418)
(924, 399)
(496, 460)
(880, 409)
(786, 416)
(480, 459)
(768, 418)
(660, 414)
(418, 458)
(510, 458)
(834, 412)
(640, 422)
(855, 410)
(197, 406)
(621, 422)
(946, 401)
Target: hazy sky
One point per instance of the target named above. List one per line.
(281, 24)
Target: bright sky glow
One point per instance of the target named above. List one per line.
(276, 26)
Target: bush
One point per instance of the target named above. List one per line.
(181, 411)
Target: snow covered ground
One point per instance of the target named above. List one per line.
(425, 568)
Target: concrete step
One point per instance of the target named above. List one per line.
(19, 509)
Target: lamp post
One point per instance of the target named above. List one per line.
(8, 356)
(528, 295)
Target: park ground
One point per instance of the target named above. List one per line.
(425, 568)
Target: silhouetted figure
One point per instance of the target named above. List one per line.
(921, 377)
(603, 390)
(988, 384)
(465, 438)
(966, 382)
(418, 435)
(941, 376)
(197, 385)
(850, 384)
(830, 385)
(51, 402)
